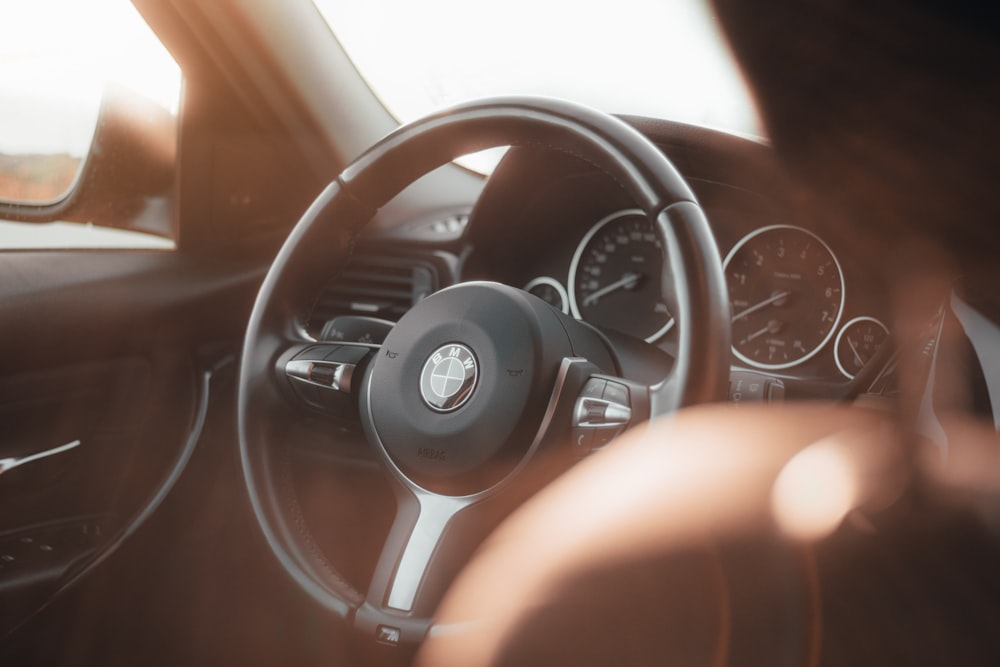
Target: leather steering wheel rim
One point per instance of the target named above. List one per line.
(320, 245)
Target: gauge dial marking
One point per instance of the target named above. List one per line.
(787, 293)
(616, 277)
(858, 341)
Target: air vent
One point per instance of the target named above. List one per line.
(377, 286)
(438, 227)
(453, 224)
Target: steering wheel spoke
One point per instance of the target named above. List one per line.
(409, 554)
(430, 539)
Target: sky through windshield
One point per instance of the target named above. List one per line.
(661, 58)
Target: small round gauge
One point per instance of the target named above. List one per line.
(550, 291)
(787, 294)
(858, 341)
(616, 276)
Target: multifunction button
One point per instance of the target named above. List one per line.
(602, 411)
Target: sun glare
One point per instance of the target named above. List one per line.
(815, 491)
(661, 58)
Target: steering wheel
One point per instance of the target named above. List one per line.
(478, 383)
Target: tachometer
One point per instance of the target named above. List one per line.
(616, 276)
(787, 295)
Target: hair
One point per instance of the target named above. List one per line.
(886, 113)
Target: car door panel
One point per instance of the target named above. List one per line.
(114, 348)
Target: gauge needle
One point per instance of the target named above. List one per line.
(774, 298)
(627, 281)
(857, 357)
(13, 461)
(772, 327)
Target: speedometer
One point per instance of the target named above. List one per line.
(787, 295)
(616, 277)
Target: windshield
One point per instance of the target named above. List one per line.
(660, 58)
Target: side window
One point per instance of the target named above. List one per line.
(88, 115)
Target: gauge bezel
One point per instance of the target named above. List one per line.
(840, 310)
(578, 254)
(840, 334)
(551, 282)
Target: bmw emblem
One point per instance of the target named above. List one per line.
(449, 377)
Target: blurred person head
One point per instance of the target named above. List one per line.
(886, 113)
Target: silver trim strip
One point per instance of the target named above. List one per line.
(436, 513)
(301, 370)
(436, 510)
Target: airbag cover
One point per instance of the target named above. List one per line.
(461, 384)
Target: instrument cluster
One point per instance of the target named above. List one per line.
(794, 312)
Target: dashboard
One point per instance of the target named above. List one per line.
(809, 306)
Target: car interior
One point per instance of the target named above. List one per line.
(343, 399)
